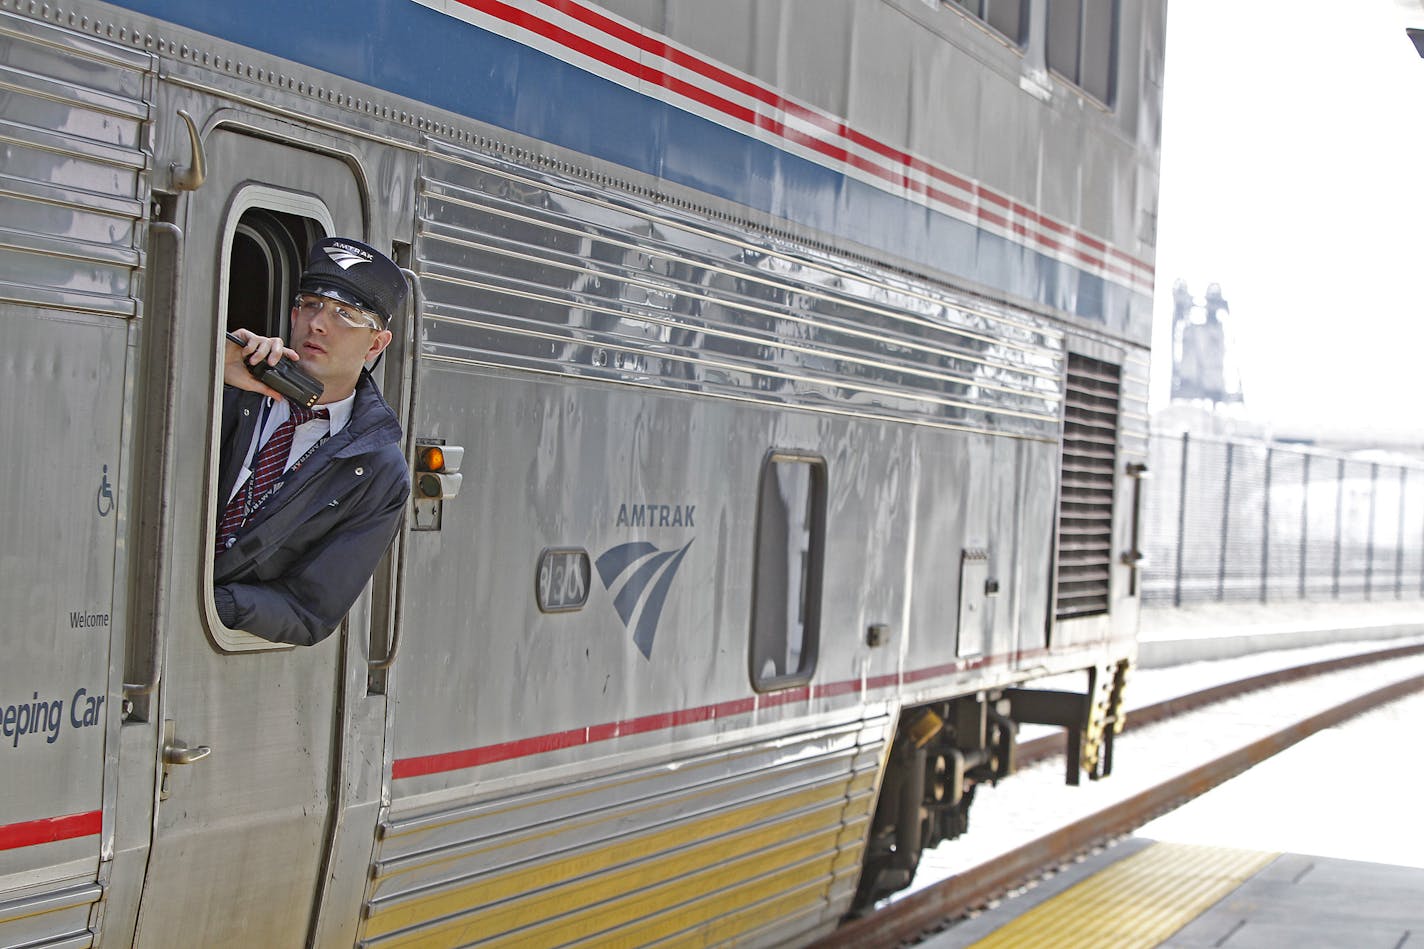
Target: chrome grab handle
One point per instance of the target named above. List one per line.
(181, 754)
(171, 233)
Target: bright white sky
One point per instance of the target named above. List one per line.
(1293, 176)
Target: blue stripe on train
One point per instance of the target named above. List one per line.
(410, 50)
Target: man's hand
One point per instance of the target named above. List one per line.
(237, 358)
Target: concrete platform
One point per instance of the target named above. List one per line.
(1307, 902)
(1210, 632)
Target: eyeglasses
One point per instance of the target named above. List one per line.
(353, 316)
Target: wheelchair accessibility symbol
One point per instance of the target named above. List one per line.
(104, 499)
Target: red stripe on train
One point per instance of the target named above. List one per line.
(771, 97)
(487, 754)
(587, 735)
(50, 829)
(709, 70)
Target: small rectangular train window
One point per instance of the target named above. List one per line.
(1085, 493)
(786, 582)
(1008, 17)
(1082, 45)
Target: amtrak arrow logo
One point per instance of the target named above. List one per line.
(346, 257)
(640, 597)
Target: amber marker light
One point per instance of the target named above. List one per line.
(432, 458)
(437, 471)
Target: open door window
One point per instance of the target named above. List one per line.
(262, 268)
(263, 252)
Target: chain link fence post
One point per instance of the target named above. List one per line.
(1399, 540)
(1370, 542)
(1181, 521)
(1266, 528)
(1225, 525)
(1304, 520)
(1339, 526)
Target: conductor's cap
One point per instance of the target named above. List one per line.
(355, 273)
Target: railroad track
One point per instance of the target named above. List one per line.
(952, 898)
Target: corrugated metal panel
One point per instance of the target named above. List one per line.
(1085, 500)
(710, 848)
(72, 163)
(532, 275)
(53, 916)
(1134, 419)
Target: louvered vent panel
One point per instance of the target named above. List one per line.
(1085, 503)
(74, 170)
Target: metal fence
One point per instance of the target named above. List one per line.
(1232, 520)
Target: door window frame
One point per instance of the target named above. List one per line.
(249, 197)
(765, 615)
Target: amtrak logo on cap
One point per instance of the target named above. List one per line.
(345, 256)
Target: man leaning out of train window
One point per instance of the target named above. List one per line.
(310, 498)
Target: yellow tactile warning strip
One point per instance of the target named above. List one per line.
(1136, 902)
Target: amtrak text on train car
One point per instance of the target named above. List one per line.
(656, 515)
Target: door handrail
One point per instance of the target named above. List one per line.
(148, 682)
(417, 305)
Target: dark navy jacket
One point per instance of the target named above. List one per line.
(305, 556)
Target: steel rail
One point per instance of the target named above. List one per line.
(1039, 749)
(906, 919)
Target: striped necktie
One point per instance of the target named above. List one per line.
(270, 462)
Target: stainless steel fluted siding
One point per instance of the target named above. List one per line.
(638, 854)
(72, 157)
(525, 274)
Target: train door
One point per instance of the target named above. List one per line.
(250, 733)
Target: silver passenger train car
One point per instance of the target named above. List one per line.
(792, 355)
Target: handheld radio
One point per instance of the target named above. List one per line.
(299, 388)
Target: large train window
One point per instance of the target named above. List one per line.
(1082, 44)
(1009, 17)
(786, 582)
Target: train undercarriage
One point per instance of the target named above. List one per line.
(945, 751)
